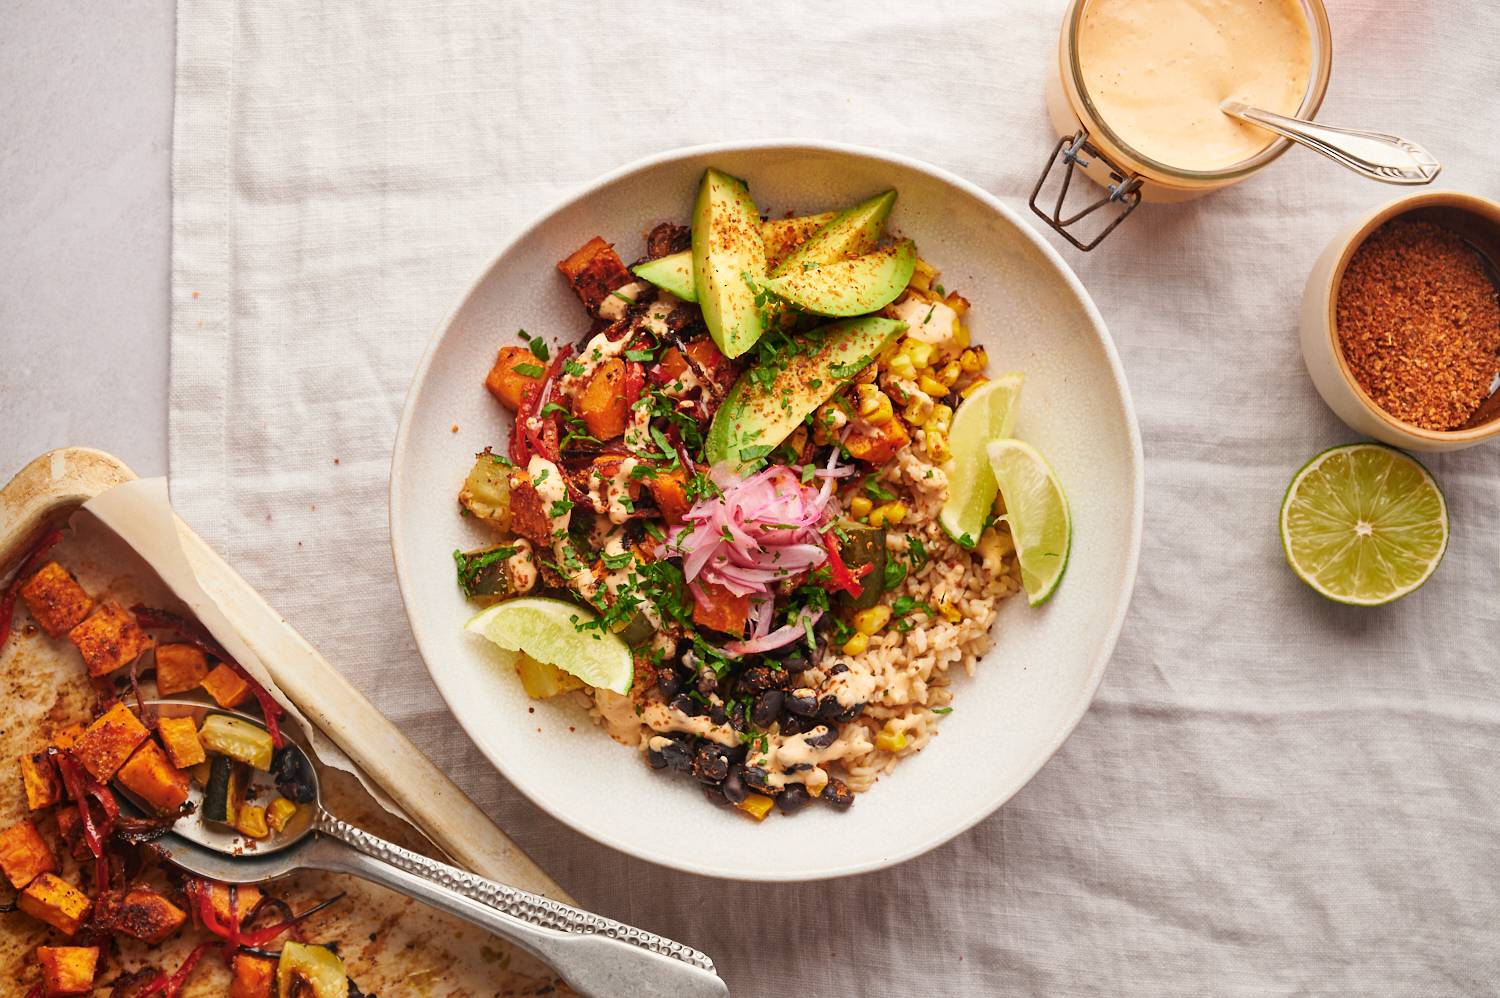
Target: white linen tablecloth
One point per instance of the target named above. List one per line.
(1271, 795)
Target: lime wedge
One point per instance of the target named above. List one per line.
(988, 414)
(1364, 524)
(1036, 509)
(544, 629)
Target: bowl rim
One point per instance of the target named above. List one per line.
(1473, 204)
(1135, 460)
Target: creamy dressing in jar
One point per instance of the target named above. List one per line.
(1157, 70)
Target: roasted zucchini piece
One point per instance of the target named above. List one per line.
(239, 739)
(314, 971)
(486, 492)
(481, 573)
(860, 546)
(221, 797)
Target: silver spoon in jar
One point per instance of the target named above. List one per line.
(1389, 159)
(595, 955)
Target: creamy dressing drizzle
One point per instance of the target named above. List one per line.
(930, 322)
(611, 494)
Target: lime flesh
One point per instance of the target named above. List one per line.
(988, 414)
(1364, 524)
(545, 630)
(1037, 512)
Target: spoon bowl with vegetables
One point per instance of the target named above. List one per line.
(235, 828)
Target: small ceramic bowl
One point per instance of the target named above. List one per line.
(1477, 219)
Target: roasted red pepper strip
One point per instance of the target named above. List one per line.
(32, 562)
(171, 987)
(839, 576)
(196, 635)
(259, 937)
(635, 383)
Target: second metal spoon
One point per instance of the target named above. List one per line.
(1389, 159)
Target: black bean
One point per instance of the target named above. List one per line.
(716, 713)
(791, 724)
(710, 765)
(759, 678)
(793, 798)
(823, 736)
(736, 753)
(839, 668)
(707, 681)
(803, 703)
(686, 704)
(734, 784)
(829, 708)
(794, 663)
(294, 775)
(679, 754)
(669, 681)
(737, 719)
(759, 780)
(715, 795)
(838, 794)
(655, 759)
(850, 713)
(767, 708)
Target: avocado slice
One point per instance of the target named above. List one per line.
(674, 273)
(852, 232)
(728, 253)
(849, 287)
(772, 399)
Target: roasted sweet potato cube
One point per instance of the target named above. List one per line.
(179, 668)
(528, 516)
(109, 638)
(720, 609)
(877, 444)
(65, 738)
(70, 828)
(593, 271)
(40, 781)
(506, 382)
(226, 686)
(140, 913)
(152, 777)
(246, 898)
(669, 489)
(254, 977)
(68, 970)
(180, 738)
(24, 854)
(602, 405)
(55, 599)
(51, 899)
(105, 745)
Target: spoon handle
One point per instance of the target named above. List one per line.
(595, 955)
(1387, 158)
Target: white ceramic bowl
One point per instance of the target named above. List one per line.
(1029, 311)
(1478, 219)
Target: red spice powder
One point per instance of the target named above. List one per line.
(1419, 321)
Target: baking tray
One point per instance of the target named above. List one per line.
(394, 946)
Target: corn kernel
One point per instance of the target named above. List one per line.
(860, 507)
(857, 644)
(919, 352)
(970, 362)
(960, 334)
(937, 446)
(279, 813)
(949, 373)
(889, 740)
(902, 367)
(251, 821)
(932, 386)
(756, 806)
(974, 387)
(941, 418)
(918, 409)
(891, 513)
(950, 612)
(922, 275)
(872, 620)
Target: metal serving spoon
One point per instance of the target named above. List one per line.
(1387, 158)
(595, 955)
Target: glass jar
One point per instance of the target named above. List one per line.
(1088, 144)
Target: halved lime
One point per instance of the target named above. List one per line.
(1037, 511)
(988, 414)
(1364, 524)
(545, 629)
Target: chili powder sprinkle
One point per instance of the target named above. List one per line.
(1419, 323)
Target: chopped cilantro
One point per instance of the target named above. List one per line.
(637, 354)
(877, 491)
(572, 367)
(529, 370)
(941, 710)
(538, 347)
(561, 507)
(470, 564)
